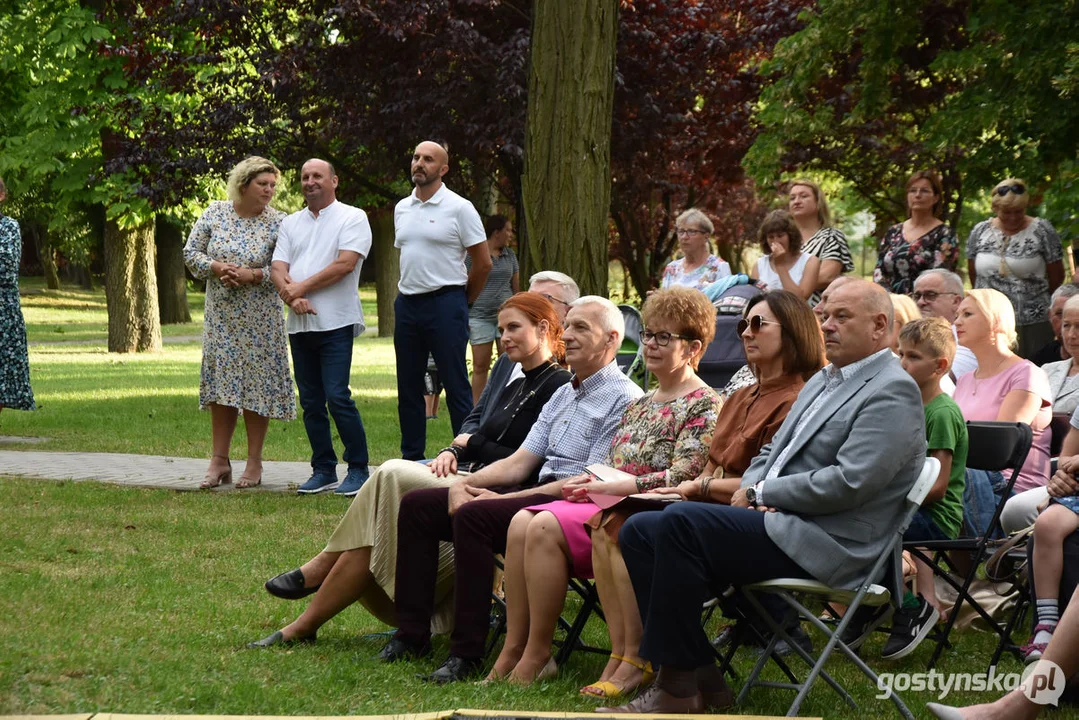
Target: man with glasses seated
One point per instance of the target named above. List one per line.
(938, 293)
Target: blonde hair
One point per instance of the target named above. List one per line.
(698, 218)
(245, 171)
(1010, 201)
(931, 334)
(997, 308)
(904, 309)
(824, 215)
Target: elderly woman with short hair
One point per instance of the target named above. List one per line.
(244, 347)
(1020, 256)
(1064, 375)
(698, 267)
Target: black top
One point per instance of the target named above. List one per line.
(516, 408)
(1047, 354)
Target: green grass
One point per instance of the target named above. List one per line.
(139, 601)
(147, 403)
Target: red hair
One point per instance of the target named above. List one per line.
(536, 308)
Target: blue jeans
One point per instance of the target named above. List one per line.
(980, 498)
(435, 323)
(322, 362)
(923, 527)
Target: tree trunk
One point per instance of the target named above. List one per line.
(131, 288)
(567, 180)
(387, 261)
(46, 254)
(171, 275)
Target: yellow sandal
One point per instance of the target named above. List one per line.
(602, 688)
(608, 690)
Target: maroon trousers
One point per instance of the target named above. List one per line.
(478, 532)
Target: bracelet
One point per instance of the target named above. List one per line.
(452, 449)
(706, 485)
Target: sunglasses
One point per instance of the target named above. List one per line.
(1005, 189)
(929, 295)
(754, 323)
(663, 339)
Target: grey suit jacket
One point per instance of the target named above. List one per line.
(840, 493)
(1065, 390)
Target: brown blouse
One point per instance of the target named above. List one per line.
(749, 419)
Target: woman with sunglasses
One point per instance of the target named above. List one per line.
(698, 267)
(921, 242)
(1020, 256)
(661, 441)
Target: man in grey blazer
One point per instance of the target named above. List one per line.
(821, 501)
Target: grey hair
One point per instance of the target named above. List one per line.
(695, 216)
(245, 171)
(610, 318)
(569, 287)
(1066, 290)
(951, 280)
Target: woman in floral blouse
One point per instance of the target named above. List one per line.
(663, 440)
(15, 389)
(698, 267)
(244, 348)
(921, 242)
(1020, 256)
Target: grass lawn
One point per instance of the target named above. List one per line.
(147, 403)
(140, 601)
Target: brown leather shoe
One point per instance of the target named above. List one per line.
(657, 700)
(718, 701)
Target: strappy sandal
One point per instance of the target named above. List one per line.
(245, 482)
(608, 690)
(600, 687)
(222, 478)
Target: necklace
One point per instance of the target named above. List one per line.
(996, 369)
(531, 390)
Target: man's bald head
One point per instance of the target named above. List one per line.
(319, 183)
(435, 148)
(430, 162)
(856, 322)
(832, 286)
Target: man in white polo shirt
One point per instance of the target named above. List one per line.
(435, 229)
(316, 269)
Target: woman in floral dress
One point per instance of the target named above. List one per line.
(15, 389)
(921, 242)
(244, 347)
(663, 440)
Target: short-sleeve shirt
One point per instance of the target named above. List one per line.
(498, 288)
(576, 426)
(828, 243)
(714, 268)
(899, 262)
(1026, 255)
(309, 245)
(434, 236)
(980, 399)
(945, 429)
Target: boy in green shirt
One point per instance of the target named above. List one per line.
(926, 350)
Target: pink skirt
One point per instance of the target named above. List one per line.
(572, 517)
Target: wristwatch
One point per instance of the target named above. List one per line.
(751, 496)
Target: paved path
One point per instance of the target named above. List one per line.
(142, 470)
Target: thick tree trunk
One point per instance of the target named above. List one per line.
(387, 261)
(45, 253)
(567, 180)
(131, 288)
(171, 275)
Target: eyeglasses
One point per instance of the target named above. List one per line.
(682, 232)
(928, 295)
(755, 324)
(553, 299)
(663, 339)
(1005, 189)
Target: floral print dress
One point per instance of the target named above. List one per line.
(244, 346)
(899, 263)
(15, 391)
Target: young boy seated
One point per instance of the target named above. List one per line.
(926, 350)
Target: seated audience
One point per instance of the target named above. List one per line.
(926, 348)
(904, 310)
(359, 560)
(1064, 375)
(784, 265)
(784, 347)
(1007, 388)
(938, 293)
(698, 267)
(1062, 651)
(1053, 351)
(821, 501)
(574, 430)
(661, 442)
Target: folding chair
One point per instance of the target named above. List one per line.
(630, 357)
(994, 446)
(790, 589)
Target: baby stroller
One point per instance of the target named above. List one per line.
(725, 355)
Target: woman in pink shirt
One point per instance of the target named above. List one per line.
(1007, 388)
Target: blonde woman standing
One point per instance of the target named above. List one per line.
(244, 348)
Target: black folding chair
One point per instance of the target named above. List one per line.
(992, 446)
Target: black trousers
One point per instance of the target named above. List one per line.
(478, 531)
(682, 557)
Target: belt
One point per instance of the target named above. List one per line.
(440, 291)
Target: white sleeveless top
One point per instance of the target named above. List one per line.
(767, 274)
